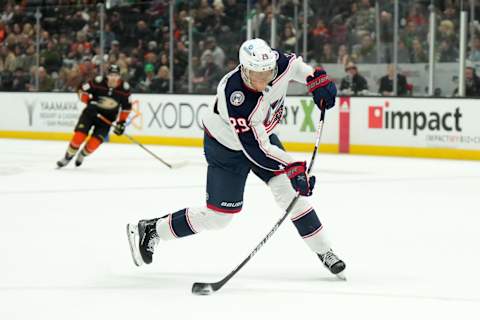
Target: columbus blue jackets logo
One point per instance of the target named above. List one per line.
(237, 98)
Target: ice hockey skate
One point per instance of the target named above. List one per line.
(79, 159)
(333, 263)
(142, 238)
(63, 162)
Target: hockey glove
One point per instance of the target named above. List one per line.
(301, 182)
(84, 97)
(322, 89)
(119, 128)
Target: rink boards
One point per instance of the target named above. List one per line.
(417, 127)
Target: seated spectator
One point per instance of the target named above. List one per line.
(447, 52)
(446, 31)
(144, 86)
(319, 36)
(386, 83)
(161, 83)
(209, 76)
(45, 81)
(418, 53)
(353, 83)
(343, 56)
(328, 55)
(362, 19)
(9, 59)
(472, 83)
(403, 55)
(20, 80)
(475, 50)
(288, 38)
(217, 53)
(409, 33)
(366, 52)
(51, 58)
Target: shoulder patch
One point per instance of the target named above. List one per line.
(85, 86)
(98, 79)
(126, 86)
(237, 98)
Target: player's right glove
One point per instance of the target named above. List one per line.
(119, 128)
(322, 88)
(301, 182)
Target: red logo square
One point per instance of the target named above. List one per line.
(375, 117)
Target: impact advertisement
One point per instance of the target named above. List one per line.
(420, 123)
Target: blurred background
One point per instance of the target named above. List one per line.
(186, 46)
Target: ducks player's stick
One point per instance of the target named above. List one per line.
(129, 137)
(204, 288)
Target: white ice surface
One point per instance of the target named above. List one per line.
(408, 230)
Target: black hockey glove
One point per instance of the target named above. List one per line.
(119, 128)
(301, 182)
(322, 89)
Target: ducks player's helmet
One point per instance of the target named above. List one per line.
(256, 55)
(113, 68)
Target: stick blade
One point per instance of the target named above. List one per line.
(202, 289)
(179, 165)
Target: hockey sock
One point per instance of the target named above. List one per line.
(309, 226)
(92, 145)
(77, 140)
(175, 225)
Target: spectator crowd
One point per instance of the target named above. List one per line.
(136, 37)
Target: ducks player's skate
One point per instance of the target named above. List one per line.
(142, 238)
(64, 161)
(80, 157)
(333, 263)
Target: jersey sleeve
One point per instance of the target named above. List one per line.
(246, 117)
(301, 70)
(292, 66)
(86, 87)
(125, 102)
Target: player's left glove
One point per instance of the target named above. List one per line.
(301, 182)
(119, 128)
(322, 89)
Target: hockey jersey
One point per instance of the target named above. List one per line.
(107, 101)
(242, 119)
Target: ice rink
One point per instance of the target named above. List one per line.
(408, 230)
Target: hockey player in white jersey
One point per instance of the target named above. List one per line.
(238, 139)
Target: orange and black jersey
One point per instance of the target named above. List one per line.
(108, 101)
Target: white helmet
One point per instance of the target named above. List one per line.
(256, 55)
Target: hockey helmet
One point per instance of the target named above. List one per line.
(113, 68)
(257, 56)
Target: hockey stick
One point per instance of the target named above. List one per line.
(170, 165)
(204, 288)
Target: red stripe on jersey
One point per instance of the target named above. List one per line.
(188, 221)
(264, 150)
(286, 70)
(222, 210)
(171, 226)
(255, 109)
(302, 214)
(313, 233)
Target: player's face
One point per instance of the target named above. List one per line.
(113, 79)
(260, 80)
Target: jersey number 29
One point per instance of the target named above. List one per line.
(240, 124)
